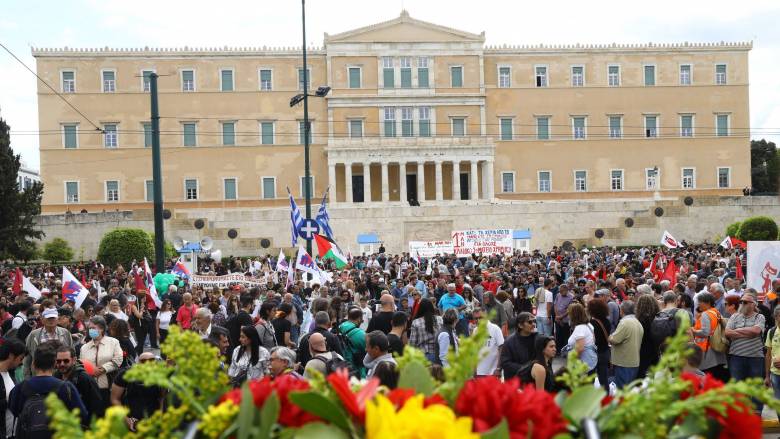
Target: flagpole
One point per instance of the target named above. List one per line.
(307, 171)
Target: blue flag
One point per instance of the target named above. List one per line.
(296, 219)
(323, 219)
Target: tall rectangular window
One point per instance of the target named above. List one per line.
(71, 191)
(541, 76)
(543, 128)
(227, 79)
(686, 125)
(267, 133)
(613, 76)
(191, 189)
(422, 72)
(504, 77)
(146, 84)
(651, 179)
(68, 81)
(578, 127)
(722, 125)
(507, 182)
(110, 137)
(187, 80)
(230, 189)
(266, 80)
(456, 76)
(685, 74)
(581, 181)
(577, 76)
(407, 121)
(70, 136)
(302, 78)
(388, 72)
(720, 74)
(616, 179)
(354, 77)
(303, 186)
(424, 121)
(406, 72)
(389, 121)
(649, 75)
(356, 128)
(269, 188)
(190, 134)
(147, 134)
(228, 133)
(651, 126)
(109, 81)
(149, 190)
(688, 178)
(615, 127)
(112, 191)
(724, 177)
(458, 127)
(302, 133)
(506, 129)
(545, 181)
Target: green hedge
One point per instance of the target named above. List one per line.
(57, 250)
(122, 246)
(733, 229)
(758, 228)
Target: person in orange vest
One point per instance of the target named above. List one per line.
(707, 320)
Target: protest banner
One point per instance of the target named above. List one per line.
(224, 281)
(483, 241)
(763, 264)
(429, 249)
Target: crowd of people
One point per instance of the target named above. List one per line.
(609, 306)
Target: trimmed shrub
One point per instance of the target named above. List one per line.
(122, 246)
(733, 229)
(57, 250)
(758, 228)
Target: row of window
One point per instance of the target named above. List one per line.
(616, 182)
(191, 189)
(614, 75)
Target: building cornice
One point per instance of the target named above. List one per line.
(524, 49)
(167, 52)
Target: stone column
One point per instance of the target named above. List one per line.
(385, 183)
(420, 181)
(474, 188)
(332, 181)
(348, 182)
(456, 180)
(439, 189)
(490, 179)
(402, 182)
(366, 182)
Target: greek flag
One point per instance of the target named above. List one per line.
(296, 219)
(323, 219)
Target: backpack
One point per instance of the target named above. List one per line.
(663, 326)
(718, 340)
(437, 350)
(267, 336)
(356, 354)
(22, 332)
(33, 422)
(335, 363)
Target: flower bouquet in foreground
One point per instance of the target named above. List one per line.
(202, 405)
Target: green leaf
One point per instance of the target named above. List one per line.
(320, 406)
(415, 376)
(318, 430)
(691, 427)
(246, 413)
(269, 413)
(583, 402)
(500, 431)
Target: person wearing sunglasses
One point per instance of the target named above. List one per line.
(746, 351)
(69, 368)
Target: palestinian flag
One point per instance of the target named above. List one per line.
(328, 249)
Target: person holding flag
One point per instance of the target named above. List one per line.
(72, 289)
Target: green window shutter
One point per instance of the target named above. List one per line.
(267, 130)
(389, 78)
(147, 135)
(422, 77)
(149, 190)
(356, 128)
(230, 189)
(686, 122)
(269, 188)
(425, 128)
(614, 123)
(407, 128)
(228, 133)
(649, 75)
(72, 190)
(389, 128)
(723, 125)
(70, 133)
(506, 129)
(354, 77)
(458, 127)
(543, 128)
(190, 134)
(227, 80)
(187, 75)
(67, 76)
(265, 80)
(579, 122)
(457, 76)
(109, 76)
(406, 78)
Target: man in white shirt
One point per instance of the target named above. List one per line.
(366, 310)
(490, 354)
(544, 305)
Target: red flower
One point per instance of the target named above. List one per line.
(399, 396)
(355, 403)
(739, 422)
(290, 415)
(699, 384)
(530, 412)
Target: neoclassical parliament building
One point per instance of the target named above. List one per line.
(417, 111)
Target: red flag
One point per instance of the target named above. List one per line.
(737, 243)
(18, 280)
(670, 273)
(654, 270)
(740, 274)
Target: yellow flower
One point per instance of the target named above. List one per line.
(218, 418)
(414, 422)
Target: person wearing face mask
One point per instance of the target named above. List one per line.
(49, 331)
(105, 353)
(69, 368)
(12, 352)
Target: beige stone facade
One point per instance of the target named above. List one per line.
(410, 103)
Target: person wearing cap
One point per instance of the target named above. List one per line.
(49, 331)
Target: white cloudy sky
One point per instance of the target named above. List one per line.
(171, 23)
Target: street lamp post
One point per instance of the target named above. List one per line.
(307, 171)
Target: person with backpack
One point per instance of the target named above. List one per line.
(322, 326)
(27, 400)
(69, 368)
(707, 333)
(22, 315)
(446, 338)
(323, 361)
(666, 323)
(12, 352)
(49, 331)
(746, 350)
(353, 340)
(377, 353)
(646, 311)
(265, 330)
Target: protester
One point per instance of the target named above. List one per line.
(69, 368)
(626, 342)
(282, 326)
(319, 355)
(383, 320)
(544, 307)
(265, 330)
(397, 336)
(491, 351)
(583, 338)
(282, 362)
(518, 349)
(562, 322)
(376, 352)
(746, 350)
(49, 331)
(424, 330)
(646, 311)
(140, 399)
(12, 353)
(186, 312)
(249, 360)
(355, 338)
(772, 357)
(447, 339)
(707, 321)
(163, 321)
(542, 370)
(105, 353)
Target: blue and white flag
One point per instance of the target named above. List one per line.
(296, 219)
(323, 218)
